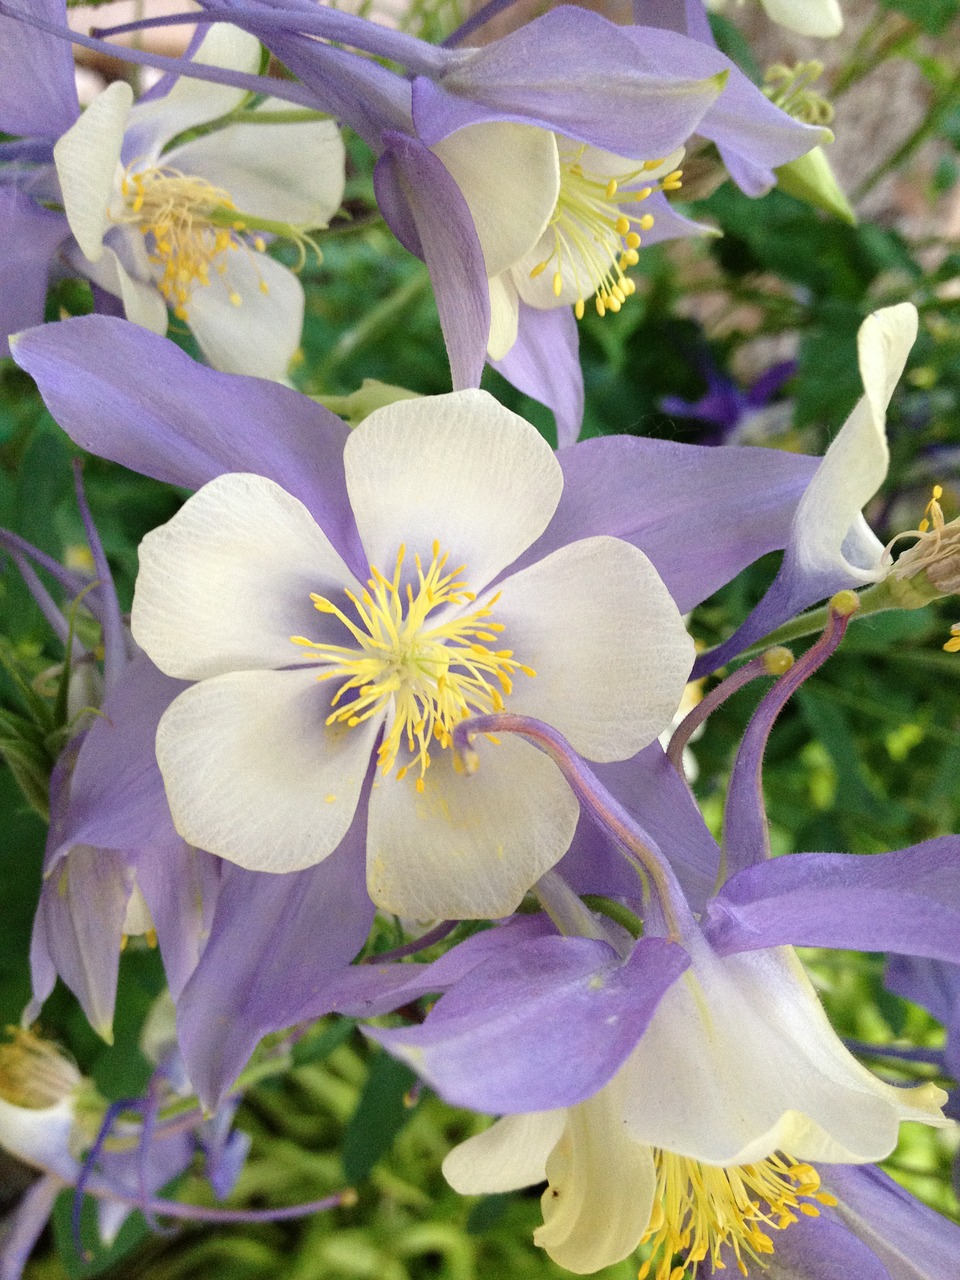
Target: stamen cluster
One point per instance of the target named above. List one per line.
(699, 1209)
(594, 240)
(424, 679)
(191, 225)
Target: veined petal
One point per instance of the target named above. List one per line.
(740, 1060)
(607, 642)
(807, 17)
(468, 847)
(259, 334)
(509, 1155)
(254, 775)
(600, 1187)
(458, 469)
(504, 316)
(510, 178)
(544, 362)
(29, 238)
(142, 304)
(226, 583)
(289, 172)
(155, 121)
(87, 157)
(38, 95)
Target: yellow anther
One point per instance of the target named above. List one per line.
(777, 660)
(646, 222)
(235, 299)
(421, 676)
(611, 190)
(557, 284)
(539, 269)
(845, 603)
(632, 240)
(654, 164)
(622, 225)
(259, 244)
(578, 308)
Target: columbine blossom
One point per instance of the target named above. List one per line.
(807, 17)
(831, 546)
(182, 227)
(195, 424)
(686, 1103)
(304, 668)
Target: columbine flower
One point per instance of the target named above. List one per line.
(686, 1113)
(807, 17)
(184, 227)
(831, 547)
(305, 669)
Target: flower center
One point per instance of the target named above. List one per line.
(594, 239)
(699, 1209)
(937, 550)
(190, 224)
(423, 675)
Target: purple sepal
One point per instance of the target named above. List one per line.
(23, 1226)
(451, 250)
(38, 92)
(30, 236)
(225, 1149)
(78, 930)
(906, 901)
(545, 1024)
(935, 985)
(131, 1172)
(573, 72)
(700, 514)
(812, 1249)
(653, 793)
(544, 363)
(277, 944)
(191, 423)
(370, 989)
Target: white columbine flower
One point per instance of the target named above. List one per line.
(183, 227)
(558, 221)
(807, 17)
(707, 1136)
(312, 674)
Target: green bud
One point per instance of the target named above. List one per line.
(811, 179)
(360, 404)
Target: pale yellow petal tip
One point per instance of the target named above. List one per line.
(777, 660)
(844, 603)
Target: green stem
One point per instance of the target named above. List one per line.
(616, 912)
(375, 320)
(296, 115)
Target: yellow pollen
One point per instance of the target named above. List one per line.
(701, 1209)
(418, 674)
(936, 552)
(595, 238)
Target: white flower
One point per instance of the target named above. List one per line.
(704, 1137)
(304, 670)
(558, 221)
(179, 227)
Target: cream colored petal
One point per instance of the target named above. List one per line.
(606, 640)
(250, 319)
(255, 776)
(509, 175)
(458, 469)
(600, 1189)
(806, 17)
(142, 304)
(226, 583)
(740, 1060)
(288, 172)
(42, 1137)
(504, 315)
(87, 159)
(828, 527)
(468, 847)
(191, 102)
(509, 1155)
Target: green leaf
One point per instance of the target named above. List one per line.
(380, 1115)
(934, 16)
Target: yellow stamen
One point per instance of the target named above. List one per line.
(421, 679)
(701, 1209)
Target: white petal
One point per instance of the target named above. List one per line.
(142, 304)
(87, 157)
(510, 178)
(601, 1186)
(854, 466)
(254, 775)
(260, 334)
(504, 315)
(468, 847)
(456, 468)
(192, 102)
(509, 1155)
(42, 1136)
(288, 172)
(226, 583)
(610, 649)
(740, 1060)
(807, 17)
